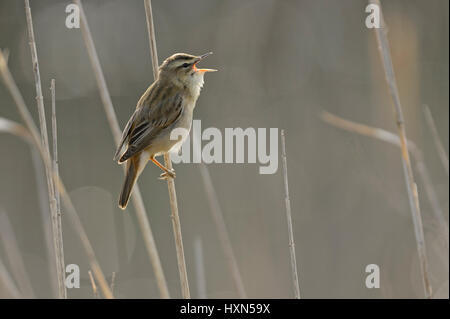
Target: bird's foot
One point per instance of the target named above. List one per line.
(168, 174)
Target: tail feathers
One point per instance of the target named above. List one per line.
(128, 184)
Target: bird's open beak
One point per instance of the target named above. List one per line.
(201, 58)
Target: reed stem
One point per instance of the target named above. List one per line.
(57, 235)
(384, 50)
(176, 225)
(61, 285)
(289, 219)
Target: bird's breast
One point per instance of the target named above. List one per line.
(181, 131)
(195, 84)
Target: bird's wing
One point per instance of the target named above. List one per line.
(125, 134)
(147, 123)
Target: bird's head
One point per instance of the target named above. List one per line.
(181, 69)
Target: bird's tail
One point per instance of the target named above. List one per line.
(130, 180)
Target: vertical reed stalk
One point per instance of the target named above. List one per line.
(61, 285)
(289, 219)
(45, 155)
(138, 202)
(41, 187)
(170, 182)
(57, 236)
(384, 50)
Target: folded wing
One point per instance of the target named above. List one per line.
(147, 123)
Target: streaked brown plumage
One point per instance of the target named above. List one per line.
(166, 105)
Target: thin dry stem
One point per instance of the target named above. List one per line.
(176, 225)
(41, 187)
(289, 219)
(57, 236)
(384, 50)
(170, 182)
(152, 37)
(437, 140)
(11, 248)
(61, 285)
(45, 155)
(138, 202)
(222, 232)
(37, 78)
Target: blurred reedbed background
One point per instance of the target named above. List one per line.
(292, 65)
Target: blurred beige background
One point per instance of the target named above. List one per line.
(281, 63)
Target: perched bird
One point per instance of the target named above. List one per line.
(166, 105)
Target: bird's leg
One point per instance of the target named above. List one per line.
(167, 173)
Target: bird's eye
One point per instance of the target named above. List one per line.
(185, 65)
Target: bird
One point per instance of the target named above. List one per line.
(166, 105)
